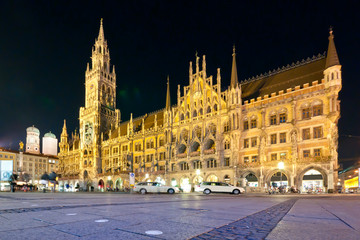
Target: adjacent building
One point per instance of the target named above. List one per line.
(240, 135)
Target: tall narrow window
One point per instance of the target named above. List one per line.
(253, 123)
(282, 118)
(254, 142)
(317, 132)
(317, 152)
(306, 113)
(273, 139)
(246, 143)
(273, 120)
(246, 125)
(306, 133)
(317, 110)
(282, 137)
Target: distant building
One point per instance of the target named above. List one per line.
(32, 140)
(279, 128)
(50, 144)
(349, 179)
(31, 164)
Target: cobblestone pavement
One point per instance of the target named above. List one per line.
(255, 226)
(179, 216)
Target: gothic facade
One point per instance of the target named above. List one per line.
(239, 135)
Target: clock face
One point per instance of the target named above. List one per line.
(88, 133)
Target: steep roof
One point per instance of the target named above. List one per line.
(282, 79)
(332, 58)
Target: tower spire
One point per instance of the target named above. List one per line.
(234, 76)
(332, 57)
(168, 95)
(64, 131)
(101, 36)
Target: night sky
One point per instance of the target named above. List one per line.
(45, 46)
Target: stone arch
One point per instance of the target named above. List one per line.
(209, 143)
(195, 145)
(299, 177)
(119, 184)
(269, 175)
(212, 177)
(181, 148)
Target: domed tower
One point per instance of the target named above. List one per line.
(49, 146)
(32, 140)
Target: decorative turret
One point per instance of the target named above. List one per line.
(235, 88)
(168, 102)
(332, 72)
(63, 139)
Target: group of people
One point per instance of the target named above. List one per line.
(282, 189)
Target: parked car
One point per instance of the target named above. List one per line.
(154, 187)
(219, 187)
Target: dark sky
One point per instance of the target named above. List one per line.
(45, 46)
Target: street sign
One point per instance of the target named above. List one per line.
(132, 179)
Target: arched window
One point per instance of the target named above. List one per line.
(194, 113)
(201, 111)
(227, 144)
(215, 107)
(182, 117)
(208, 110)
(332, 76)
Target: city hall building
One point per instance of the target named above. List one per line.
(279, 128)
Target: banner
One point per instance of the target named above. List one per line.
(6, 169)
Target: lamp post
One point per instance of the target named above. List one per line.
(281, 167)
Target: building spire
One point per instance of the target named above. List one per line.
(234, 76)
(168, 103)
(101, 36)
(332, 58)
(64, 131)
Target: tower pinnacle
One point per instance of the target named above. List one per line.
(332, 57)
(101, 36)
(234, 76)
(168, 95)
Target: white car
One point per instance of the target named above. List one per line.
(154, 187)
(219, 187)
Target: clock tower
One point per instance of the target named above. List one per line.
(99, 114)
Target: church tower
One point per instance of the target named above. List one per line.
(99, 114)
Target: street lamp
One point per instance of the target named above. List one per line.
(281, 167)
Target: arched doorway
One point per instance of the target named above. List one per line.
(312, 181)
(109, 185)
(212, 178)
(251, 180)
(279, 179)
(101, 185)
(119, 185)
(185, 184)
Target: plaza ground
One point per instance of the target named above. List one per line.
(180, 216)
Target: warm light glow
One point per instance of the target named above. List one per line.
(147, 175)
(109, 178)
(281, 165)
(197, 171)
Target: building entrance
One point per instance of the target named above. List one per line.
(313, 182)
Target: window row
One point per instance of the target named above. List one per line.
(252, 159)
(316, 153)
(316, 133)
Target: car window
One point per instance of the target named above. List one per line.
(206, 183)
(224, 184)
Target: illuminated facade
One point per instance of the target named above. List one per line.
(239, 135)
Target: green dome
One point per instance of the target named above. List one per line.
(50, 134)
(33, 129)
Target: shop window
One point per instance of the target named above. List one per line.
(274, 157)
(306, 134)
(273, 138)
(282, 137)
(317, 132)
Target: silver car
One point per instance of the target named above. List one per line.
(154, 187)
(219, 187)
